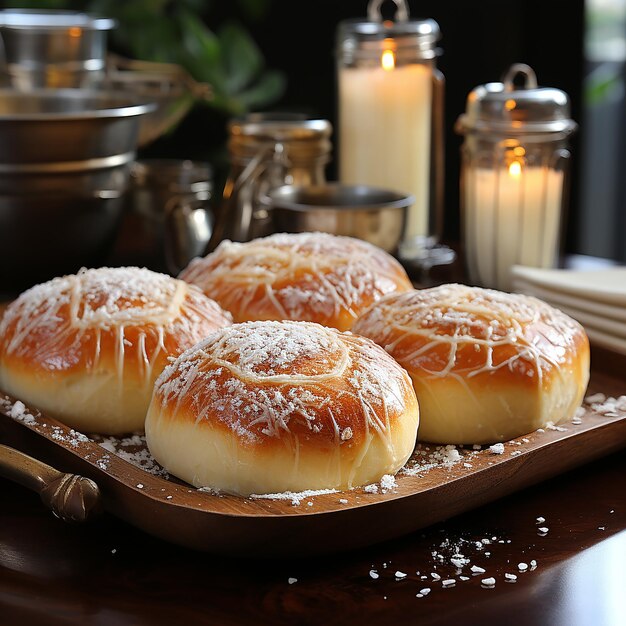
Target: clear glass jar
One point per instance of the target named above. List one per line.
(514, 170)
(390, 115)
(267, 151)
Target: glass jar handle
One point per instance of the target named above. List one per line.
(520, 69)
(239, 212)
(374, 13)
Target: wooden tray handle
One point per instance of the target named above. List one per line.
(70, 497)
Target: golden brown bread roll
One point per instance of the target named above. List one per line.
(266, 407)
(487, 366)
(313, 277)
(87, 348)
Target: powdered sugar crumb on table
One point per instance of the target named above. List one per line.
(295, 497)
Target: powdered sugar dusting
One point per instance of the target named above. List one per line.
(295, 497)
(133, 449)
(239, 377)
(261, 350)
(18, 412)
(472, 322)
(67, 321)
(426, 457)
(305, 276)
(610, 407)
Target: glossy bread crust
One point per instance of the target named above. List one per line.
(87, 348)
(274, 406)
(313, 277)
(486, 365)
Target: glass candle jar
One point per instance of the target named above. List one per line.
(390, 114)
(513, 176)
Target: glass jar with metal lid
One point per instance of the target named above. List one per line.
(267, 151)
(390, 116)
(513, 175)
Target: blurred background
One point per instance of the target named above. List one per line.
(278, 55)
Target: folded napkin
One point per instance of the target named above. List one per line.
(610, 342)
(605, 285)
(596, 298)
(568, 301)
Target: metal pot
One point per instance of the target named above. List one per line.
(370, 213)
(48, 235)
(65, 157)
(63, 130)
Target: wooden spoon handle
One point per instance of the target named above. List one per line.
(70, 497)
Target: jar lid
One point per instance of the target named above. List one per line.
(306, 138)
(510, 108)
(359, 38)
(280, 127)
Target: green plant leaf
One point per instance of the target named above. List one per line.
(241, 58)
(267, 89)
(254, 9)
(201, 51)
(602, 86)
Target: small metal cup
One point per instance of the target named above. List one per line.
(373, 214)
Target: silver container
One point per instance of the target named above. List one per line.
(54, 49)
(65, 157)
(67, 129)
(373, 214)
(168, 204)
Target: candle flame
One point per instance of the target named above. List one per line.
(515, 169)
(388, 60)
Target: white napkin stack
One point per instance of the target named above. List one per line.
(596, 298)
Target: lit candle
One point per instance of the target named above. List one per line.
(384, 138)
(513, 176)
(512, 216)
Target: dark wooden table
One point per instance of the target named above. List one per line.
(109, 573)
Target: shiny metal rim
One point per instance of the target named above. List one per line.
(68, 166)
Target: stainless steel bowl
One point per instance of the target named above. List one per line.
(67, 129)
(370, 213)
(65, 157)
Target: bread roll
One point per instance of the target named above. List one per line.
(87, 348)
(267, 407)
(487, 366)
(313, 277)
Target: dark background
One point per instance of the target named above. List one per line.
(480, 40)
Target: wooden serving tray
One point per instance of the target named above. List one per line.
(428, 492)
